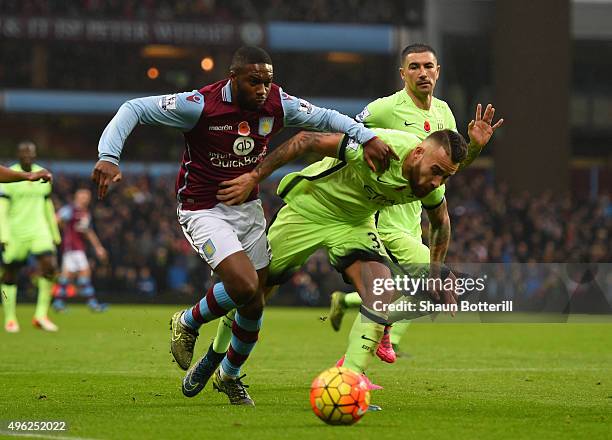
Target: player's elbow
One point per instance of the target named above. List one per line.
(438, 217)
(134, 108)
(131, 106)
(441, 222)
(306, 141)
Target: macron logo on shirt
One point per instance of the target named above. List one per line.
(220, 127)
(194, 98)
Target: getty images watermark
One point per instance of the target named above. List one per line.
(410, 287)
(508, 292)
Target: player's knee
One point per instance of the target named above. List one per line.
(254, 308)
(9, 277)
(243, 288)
(49, 272)
(48, 267)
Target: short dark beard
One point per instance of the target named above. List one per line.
(414, 181)
(241, 101)
(408, 168)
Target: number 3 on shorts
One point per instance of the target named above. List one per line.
(374, 238)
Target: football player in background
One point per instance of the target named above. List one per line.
(75, 222)
(27, 227)
(414, 110)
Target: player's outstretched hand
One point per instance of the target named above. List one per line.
(103, 174)
(376, 151)
(43, 174)
(236, 191)
(480, 129)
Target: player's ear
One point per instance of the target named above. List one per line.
(437, 72)
(419, 152)
(401, 72)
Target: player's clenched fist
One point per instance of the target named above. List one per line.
(103, 174)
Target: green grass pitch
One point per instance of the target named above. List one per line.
(110, 376)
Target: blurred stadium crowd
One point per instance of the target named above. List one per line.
(490, 224)
(362, 11)
(149, 256)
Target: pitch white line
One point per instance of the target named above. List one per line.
(100, 372)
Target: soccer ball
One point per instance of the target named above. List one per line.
(339, 396)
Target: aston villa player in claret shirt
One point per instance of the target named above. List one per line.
(77, 230)
(227, 126)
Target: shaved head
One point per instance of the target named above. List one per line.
(26, 146)
(26, 153)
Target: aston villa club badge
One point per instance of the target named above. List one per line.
(265, 125)
(426, 126)
(244, 129)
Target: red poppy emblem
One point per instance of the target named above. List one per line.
(426, 126)
(244, 129)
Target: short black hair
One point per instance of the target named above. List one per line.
(416, 48)
(453, 143)
(249, 55)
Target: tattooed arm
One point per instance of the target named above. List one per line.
(439, 235)
(304, 142)
(473, 151)
(439, 240)
(234, 192)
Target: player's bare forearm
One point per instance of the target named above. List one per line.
(236, 191)
(8, 175)
(95, 242)
(325, 144)
(93, 238)
(472, 153)
(439, 239)
(439, 234)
